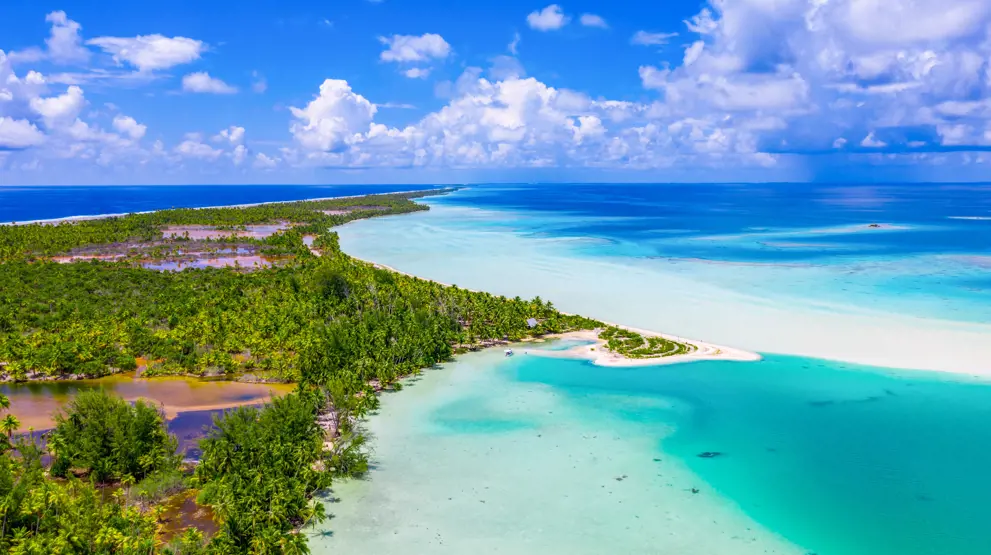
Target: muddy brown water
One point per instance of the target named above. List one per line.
(34, 403)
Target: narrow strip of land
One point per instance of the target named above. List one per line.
(600, 353)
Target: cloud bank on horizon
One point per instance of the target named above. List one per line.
(770, 87)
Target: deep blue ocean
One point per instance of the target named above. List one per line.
(946, 218)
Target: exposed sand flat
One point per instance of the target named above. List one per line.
(34, 403)
(602, 356)
(243, 262)
(200, 232)
(78, 257)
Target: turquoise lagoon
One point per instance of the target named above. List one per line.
(546, 455)
(828, 445)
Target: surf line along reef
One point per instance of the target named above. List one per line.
(252, 294)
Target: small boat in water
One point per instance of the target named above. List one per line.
(509, 352)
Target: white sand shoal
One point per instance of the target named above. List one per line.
(599, 355)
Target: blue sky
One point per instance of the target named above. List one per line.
(355, 91)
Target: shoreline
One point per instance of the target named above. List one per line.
(643, 498)
(88, 217)
(600, 356)
(859, 336)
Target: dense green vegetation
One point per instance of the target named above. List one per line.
(40, 515)
(45, 516)
(633, 345)
(338, 327)
(110, 439)
(260, 470)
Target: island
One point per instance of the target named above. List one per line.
(254, 296)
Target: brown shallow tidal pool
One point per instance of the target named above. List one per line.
(34, 403)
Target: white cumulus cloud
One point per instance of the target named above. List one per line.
(412, 48)
(194, 148)
(417, 73)
(64, 43)
(17, 134)
(264, 162)
(592, 20)
(151, 52)
(514, 46)
(870, 141)
(645, 38)
(233, 135)
(513, 122)
(329, 121)
(548, 19)
(202, 82)
(239, 154)
(129, 126)
(60, 109)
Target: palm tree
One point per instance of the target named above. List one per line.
(4, 402)
(9, 424)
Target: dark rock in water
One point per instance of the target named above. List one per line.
(709, 454)
(874, 225)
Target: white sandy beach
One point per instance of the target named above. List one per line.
(598, 354)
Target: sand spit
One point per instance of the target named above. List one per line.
(600, 355)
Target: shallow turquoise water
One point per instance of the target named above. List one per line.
(483, 456)
(837, 459)
(843, 460)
